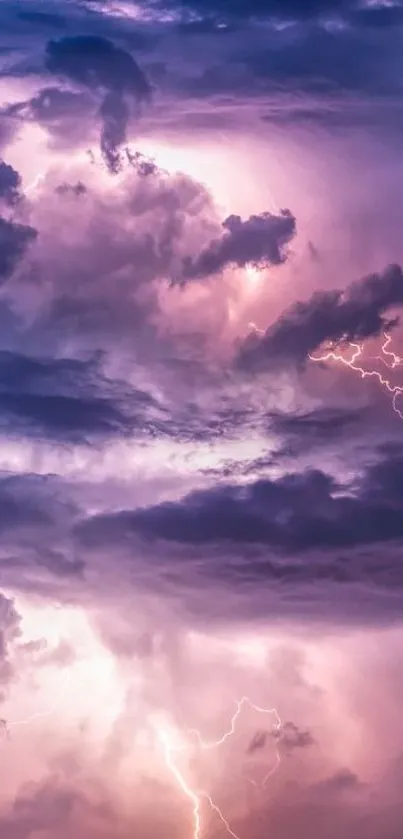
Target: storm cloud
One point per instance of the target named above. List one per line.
(96, 63)
(296, 513)
(354, 314)
(201, 533)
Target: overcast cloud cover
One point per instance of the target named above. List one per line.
(201, 419)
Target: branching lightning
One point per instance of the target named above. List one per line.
(388, 358)
(173, 745)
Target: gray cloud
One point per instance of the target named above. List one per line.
(292, 737)
(65, 399)
(344, 780)
(260, 240)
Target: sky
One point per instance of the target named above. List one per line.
(201, 419)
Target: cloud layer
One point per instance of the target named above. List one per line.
(201, 529)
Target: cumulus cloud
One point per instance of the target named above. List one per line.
(354, 314)
(260, 241)
(110, 71)
(104, 256)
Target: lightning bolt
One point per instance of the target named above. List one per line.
(255, 328)
(35, 183)
(7, 726)
(172, 745)
(388, 358)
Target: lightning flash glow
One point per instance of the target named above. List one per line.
(174, 745)
(388, 358)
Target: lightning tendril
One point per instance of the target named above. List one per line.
(388, 358)
(7, 725)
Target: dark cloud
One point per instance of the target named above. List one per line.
(115, 116)
(76, 189)
(292, 737)
(14, 241)
(315, 429)
(309, 72)
(10, 183)
(316, 425)
(289, 735)
(258, 742)
(27, 504)
(260, 240)
(296, 513)
(97, 64)
(356, 313)
(344, 780)
(322, 62)
(68, 400)
(7, 128)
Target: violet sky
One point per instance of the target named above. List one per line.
(201, 419)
